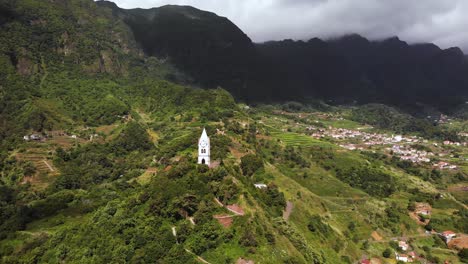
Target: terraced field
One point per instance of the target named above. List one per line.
(45, 170)
(295, 139)
(38, 157)
(65, 141)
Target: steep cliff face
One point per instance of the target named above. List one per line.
(36, 34)
(217, 53)
(100, 37)
(388, 71)
(213, 50)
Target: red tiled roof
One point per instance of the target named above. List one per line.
(235, 209)
(224, 220)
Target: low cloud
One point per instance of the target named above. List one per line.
(442, 22)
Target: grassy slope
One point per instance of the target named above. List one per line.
(320, 193)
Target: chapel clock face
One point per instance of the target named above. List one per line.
(203, 143)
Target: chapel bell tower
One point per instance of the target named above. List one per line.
(204, 149)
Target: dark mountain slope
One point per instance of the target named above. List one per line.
(215, 52)
(210, 48)
(309, 68)
(389, 71)
(5, 14)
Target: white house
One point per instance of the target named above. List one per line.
(36, 137)
(260, 185)
(403, 245)
(448, 235)
(204, 149)
(403, 257)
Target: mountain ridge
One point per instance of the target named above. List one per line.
(208, 47)
(343, 69)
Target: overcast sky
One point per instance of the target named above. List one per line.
(444, 22)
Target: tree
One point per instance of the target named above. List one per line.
(365, 245)
(62, 154)
(463, 255)
(411, 206)
(317, 226)
(394, 245)
(184, 206)
(250, 164)
(134, 137)
(178, 255)
(29, 168)
(248, 239)
(386, 253)
(426, 249)
(428, 227)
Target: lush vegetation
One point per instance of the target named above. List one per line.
(386, 117)
(114, 177)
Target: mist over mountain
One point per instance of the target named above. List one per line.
(215, 52)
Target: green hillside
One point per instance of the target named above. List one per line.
(108, 171)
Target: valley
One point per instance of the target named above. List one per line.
(314, 157)
(351, 220)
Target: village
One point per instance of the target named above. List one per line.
(430, 154)
(56, 135)
(403, 147)
(404, 251)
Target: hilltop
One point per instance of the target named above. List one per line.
(98, 143)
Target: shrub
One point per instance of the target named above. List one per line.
(317, 226)
(133, 137)
(386, 253)
(250, 164)
(463, 255)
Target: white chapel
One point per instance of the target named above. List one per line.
(204, 149)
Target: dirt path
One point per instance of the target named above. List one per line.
(200, 259)
(191, 220)
(376, 236)
(400, 238)
(218, 202)
(460, 203)
(48, 165)
(346, 198)
(287, 212)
